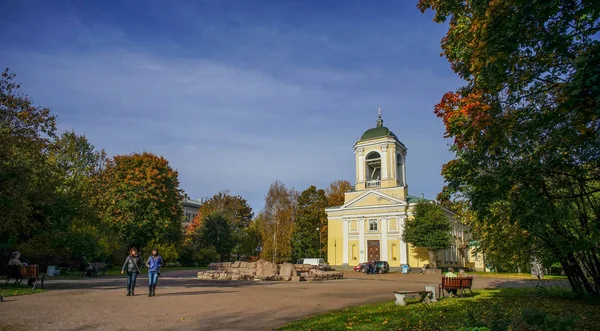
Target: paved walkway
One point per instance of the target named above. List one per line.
(185, 303)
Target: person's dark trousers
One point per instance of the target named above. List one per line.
(152, 280)
(131, 278)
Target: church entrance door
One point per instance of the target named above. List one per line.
(373, 250)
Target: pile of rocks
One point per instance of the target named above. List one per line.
(265, 270)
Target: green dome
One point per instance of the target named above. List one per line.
(379, 131)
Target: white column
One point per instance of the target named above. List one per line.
(361, 164)
(403, 245)
(361, 240)
(393, 165)
(384, 243)
(345, 242)
(384, 163)
(404, 181)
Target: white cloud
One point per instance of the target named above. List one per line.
(227, 127)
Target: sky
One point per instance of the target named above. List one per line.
(238, 94)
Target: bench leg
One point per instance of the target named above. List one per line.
(431, 297)
(400, 299)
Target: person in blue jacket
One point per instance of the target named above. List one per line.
(154, 263)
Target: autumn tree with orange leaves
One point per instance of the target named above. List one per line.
(140, 200)
(526, 123)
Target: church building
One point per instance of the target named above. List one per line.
(369, 225)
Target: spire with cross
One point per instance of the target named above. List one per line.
(379, 120)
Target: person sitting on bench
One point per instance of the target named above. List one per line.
(451, 273)
(15, 261)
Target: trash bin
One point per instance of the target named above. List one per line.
(405, 269)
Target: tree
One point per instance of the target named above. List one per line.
(250, 242)
(506, 247)
(216, 231)
(234, 208)
(276, 223)
(76, 229)
(526, 123)
(309, 225)
(140, 199)
(336, 192)
(430, 228)
(26, 186)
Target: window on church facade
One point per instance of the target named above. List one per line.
(354, 252)
(373, 161)
(394, 252)
(372, 225)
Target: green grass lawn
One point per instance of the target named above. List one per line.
(498, 309)
(514, 275)
(12, 290)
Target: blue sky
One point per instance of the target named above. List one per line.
(237, 94)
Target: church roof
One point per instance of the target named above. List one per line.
(379, 131)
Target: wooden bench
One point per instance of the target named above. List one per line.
(18, 273)
(460, 284)
(98, 268)
(424, 296)
(50, 272)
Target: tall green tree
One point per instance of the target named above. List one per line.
(76, 229)
(26, 182)
(430, 228)
(526, 124)
(216, 231)
(276, 223)
(336, 192)
(140, 200)
(249, 244)
(310, 223)
(235, 209)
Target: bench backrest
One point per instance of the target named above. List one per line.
(30, 271)
(98, 265)
(466, 282)
(462, 282)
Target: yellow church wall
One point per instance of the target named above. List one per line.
(394, 252)
(417, 257)
(353, 252)
(372, 200)
(349, 196)
(335, 242)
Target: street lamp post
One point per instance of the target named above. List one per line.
(319, 232)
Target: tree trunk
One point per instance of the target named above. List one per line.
(432, 258)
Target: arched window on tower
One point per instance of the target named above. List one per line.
(399, 171)
(373, 161)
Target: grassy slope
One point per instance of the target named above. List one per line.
(12, 290)
(499, 309)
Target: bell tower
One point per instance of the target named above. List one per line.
(380, 161)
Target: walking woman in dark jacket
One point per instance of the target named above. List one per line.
(154, 263)
(132, 265)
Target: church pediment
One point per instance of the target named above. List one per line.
(372, 199)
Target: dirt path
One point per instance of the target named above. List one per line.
(185, 303)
